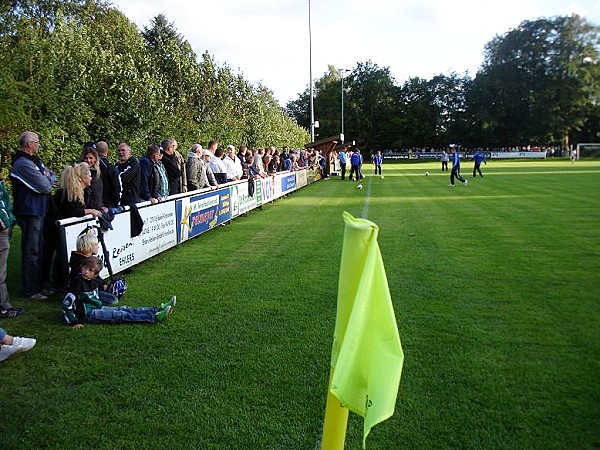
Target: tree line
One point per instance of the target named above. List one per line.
(539, 85)
(79, 70)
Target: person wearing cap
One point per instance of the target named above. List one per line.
(233, 164)
(32, 183)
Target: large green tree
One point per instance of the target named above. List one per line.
(75, 70)
(535, 85)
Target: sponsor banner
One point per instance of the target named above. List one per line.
(199, 213)
(426, 156)
(288, 183)
(517, 155)
(158, 234)
(276, 186)
(301, 179)
(266, 188)
(168, 223)
(241, 202)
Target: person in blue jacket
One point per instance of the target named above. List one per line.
(455, 173)
(478, 157)
(355, 161)
(32, 183)
(377, 161)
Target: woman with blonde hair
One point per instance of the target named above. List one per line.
(90, 156)
(74, 196)
(71, 200)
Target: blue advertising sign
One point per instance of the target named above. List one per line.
(288, 183)
(200, 213)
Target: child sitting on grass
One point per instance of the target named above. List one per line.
(87, 245)
(82, 302)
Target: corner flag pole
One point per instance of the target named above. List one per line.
(336, 421)
(366, 356)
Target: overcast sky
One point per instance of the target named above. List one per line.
(268, 40)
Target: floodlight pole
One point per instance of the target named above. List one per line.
(312, 107)
(342, 71)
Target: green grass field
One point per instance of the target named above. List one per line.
(496, 289)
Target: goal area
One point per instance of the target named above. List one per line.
(589, 150)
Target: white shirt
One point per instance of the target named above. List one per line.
(234, 167)
(217, 165)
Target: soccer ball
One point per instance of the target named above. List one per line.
(426, 174)
(382, 177)
(359, 186)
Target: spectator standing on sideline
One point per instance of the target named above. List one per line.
(71, 200)
(128, 168)
(212, 146)
(257, 164)
(7, 221)
(110, 177)
(342, 156)
(150, 182)
(455, 173)
(444, 160)
(90, 156)
(233, 164)
(377, 161)
(478, 157)
(218, 166)
(32, 183)
(199, 176)
(172, 167)
(10, 345)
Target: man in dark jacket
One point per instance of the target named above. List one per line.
(170, 161)
(32, 183)
(110, 177)
(129, 175)
(150, 182)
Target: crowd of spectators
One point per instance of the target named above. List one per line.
(95, 186)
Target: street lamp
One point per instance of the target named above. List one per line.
(312, 106)
(342, 71)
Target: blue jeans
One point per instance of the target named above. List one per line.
(31, 254)
(122, 314)
(2, 334)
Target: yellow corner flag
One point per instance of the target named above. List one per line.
(367, 357)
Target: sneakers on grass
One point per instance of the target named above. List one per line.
(20, 344)
(166, 309)
(170, 303)
(163, 313)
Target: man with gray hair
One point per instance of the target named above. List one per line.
(32, 183)
(199, 174)
(175, 165)
(129, 175)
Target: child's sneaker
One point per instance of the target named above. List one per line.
(20, 344)
(170, 303)
(163, 314)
